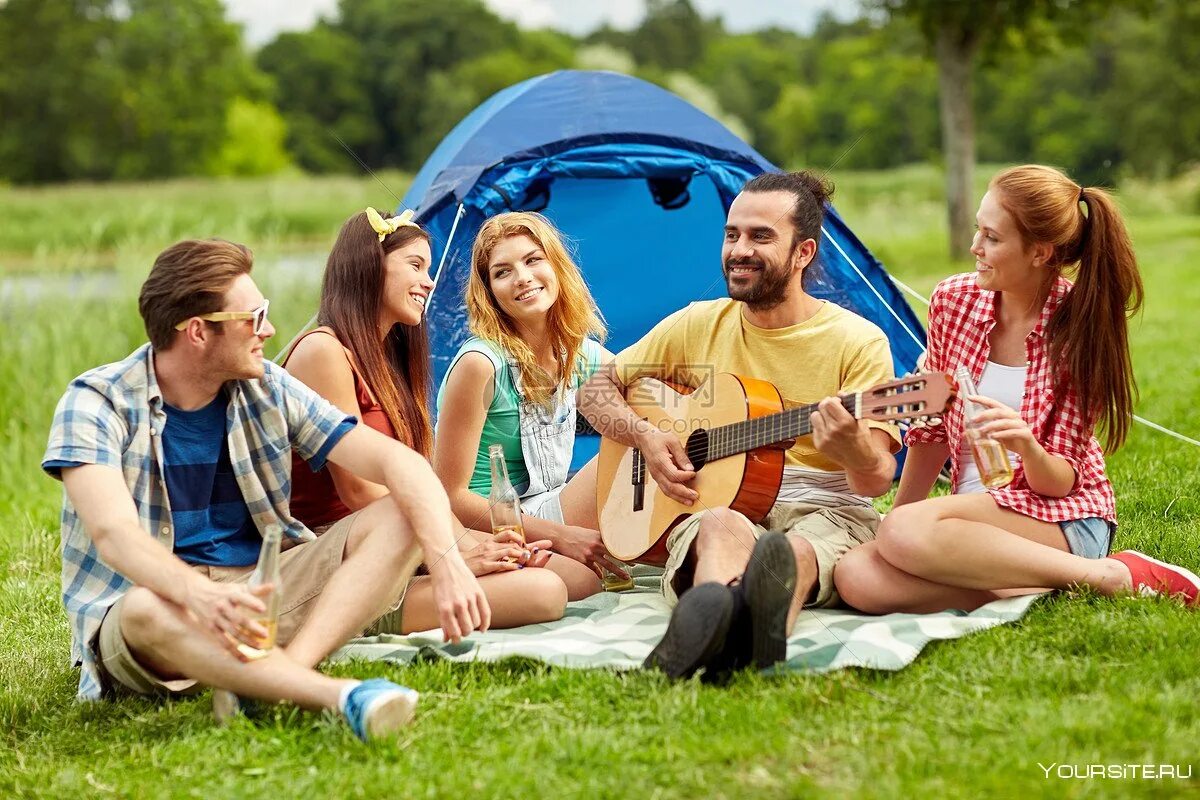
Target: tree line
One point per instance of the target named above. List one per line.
(134, 89)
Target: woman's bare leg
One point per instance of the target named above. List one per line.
(521, 597)
(580, 580)
(867, 582)
(969, 542)
(578, 498)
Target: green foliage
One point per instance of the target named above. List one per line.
(154, 88)
(254, 141)
(672, 36)
(321, 87)
(459, 89)
(401, 47)
(117, 90)
(49, 112)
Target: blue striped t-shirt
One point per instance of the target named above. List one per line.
(212, 524)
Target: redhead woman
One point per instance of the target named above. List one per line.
(1050, 358)
(537, 335)
(370, 357)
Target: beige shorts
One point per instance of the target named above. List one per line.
(830, 531)
(304, 569)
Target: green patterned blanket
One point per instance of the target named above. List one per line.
(618, 631)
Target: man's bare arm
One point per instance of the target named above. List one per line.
(110, 518)
(410, 480)
(602, 402)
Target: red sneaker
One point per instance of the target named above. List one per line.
(1151, 576)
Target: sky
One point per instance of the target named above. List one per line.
(263, 19)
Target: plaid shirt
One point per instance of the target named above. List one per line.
(113, 415)
(961, 318)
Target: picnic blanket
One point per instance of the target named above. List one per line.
(618, 631)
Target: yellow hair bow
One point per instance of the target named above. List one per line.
(385, 226)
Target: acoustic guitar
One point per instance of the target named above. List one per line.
(736, 432)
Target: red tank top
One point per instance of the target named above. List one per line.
(315, 500)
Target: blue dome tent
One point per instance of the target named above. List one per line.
(640, 182)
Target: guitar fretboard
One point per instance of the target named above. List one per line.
(750, 434)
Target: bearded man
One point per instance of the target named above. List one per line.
(740, 586)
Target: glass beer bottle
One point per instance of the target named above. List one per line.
(991, 458)
(225, 704)
(505, 504)
(266, 572)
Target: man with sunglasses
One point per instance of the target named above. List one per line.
(176, 460)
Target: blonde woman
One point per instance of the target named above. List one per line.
(537, 335)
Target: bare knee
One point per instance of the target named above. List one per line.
(723, 529)
(148, 621)
(547, 595)
(806, 556)
(389, 533)
(856, 578)
(903, 538)
(577, 578)
(807, 570)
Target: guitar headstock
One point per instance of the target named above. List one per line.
(916, 399)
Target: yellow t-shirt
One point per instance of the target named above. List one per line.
(833, 352)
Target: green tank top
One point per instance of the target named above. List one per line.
(503, 422)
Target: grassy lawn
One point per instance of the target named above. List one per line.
(1080, 680)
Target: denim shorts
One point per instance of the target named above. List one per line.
(1090, 537)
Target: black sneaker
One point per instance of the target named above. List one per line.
(696, 631)
(769, 584)
(736, 654)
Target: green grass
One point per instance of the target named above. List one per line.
(1079, 680)
(85, 226)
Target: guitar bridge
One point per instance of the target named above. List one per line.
(639, 480)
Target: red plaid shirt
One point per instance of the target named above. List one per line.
(961, 318)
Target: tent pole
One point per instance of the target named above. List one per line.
(874, 291)
(442, 262)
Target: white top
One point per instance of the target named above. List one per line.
(1005, 385)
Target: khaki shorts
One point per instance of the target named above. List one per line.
(304, 569)
(830, 531)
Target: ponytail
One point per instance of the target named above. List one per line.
(1089, 332)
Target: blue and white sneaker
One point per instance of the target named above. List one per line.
(378, 708)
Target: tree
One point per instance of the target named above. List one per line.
(117, 88)
(452, 94)
(182, 65)
(55, 88)
(254, 144)
(672, 36)
(958, 33)
(400, 46)
(324, 96)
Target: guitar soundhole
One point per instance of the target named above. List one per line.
(697, 448)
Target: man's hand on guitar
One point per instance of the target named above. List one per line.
(837, 434)
(668, 464)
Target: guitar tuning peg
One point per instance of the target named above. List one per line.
(935, 420)
(917, 422)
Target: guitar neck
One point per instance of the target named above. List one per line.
(751, 434)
